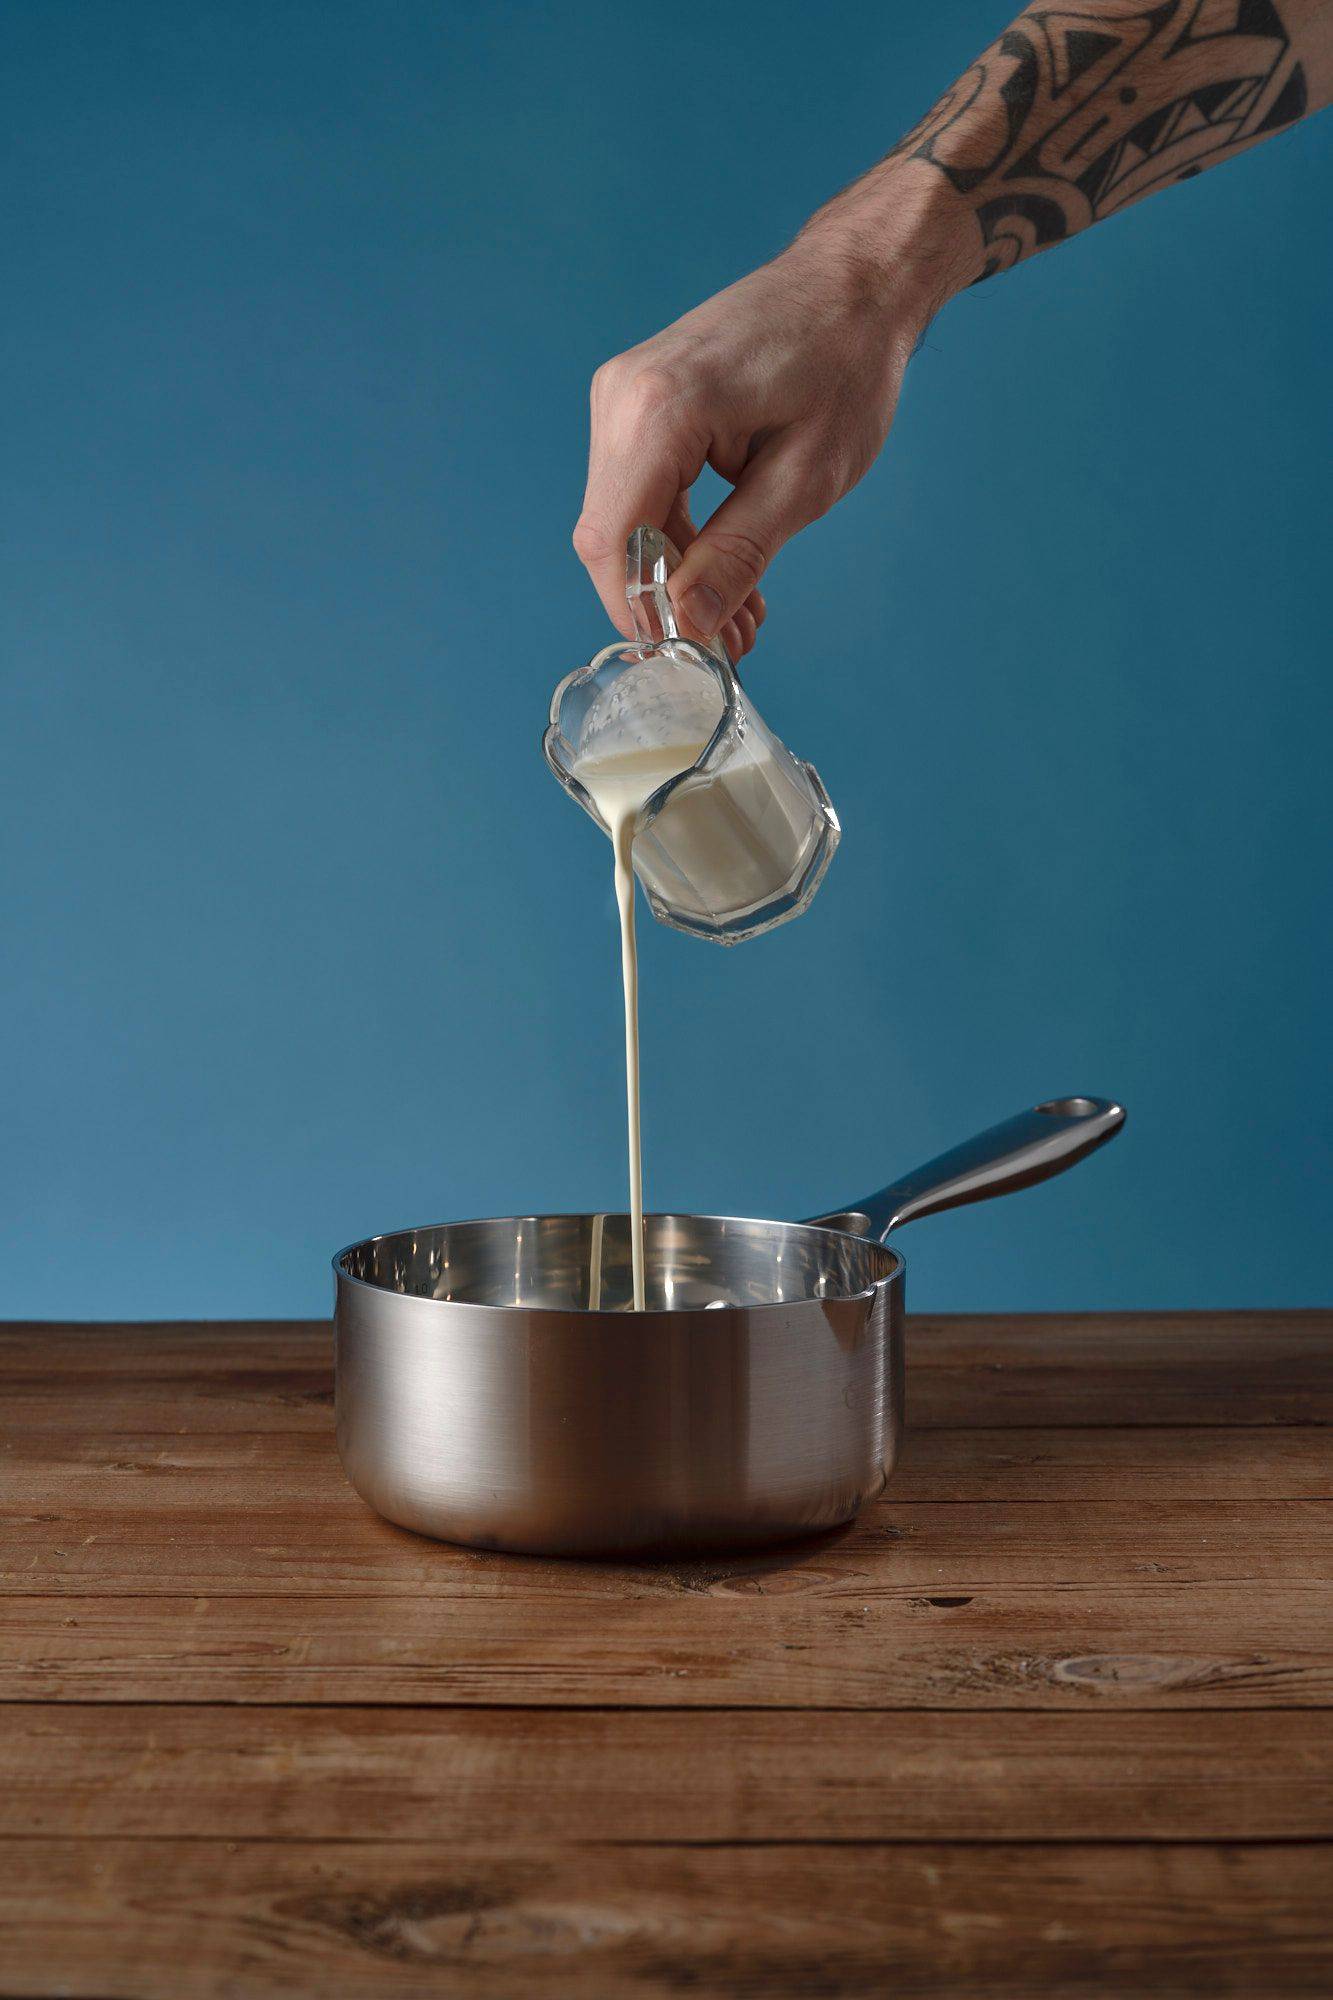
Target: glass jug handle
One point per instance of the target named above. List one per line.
(650, 558)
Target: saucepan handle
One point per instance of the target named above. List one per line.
(1016, 1154)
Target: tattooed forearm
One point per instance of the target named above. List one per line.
(1077, 111)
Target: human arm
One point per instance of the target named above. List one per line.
(786, 382)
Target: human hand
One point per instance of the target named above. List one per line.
(786, 383)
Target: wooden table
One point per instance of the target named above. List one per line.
(1054, 1717)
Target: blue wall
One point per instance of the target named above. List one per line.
(301, 303)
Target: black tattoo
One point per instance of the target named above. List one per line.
(1048, 131)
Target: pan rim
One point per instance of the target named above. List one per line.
(342, 1276)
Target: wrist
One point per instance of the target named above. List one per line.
(902, 239)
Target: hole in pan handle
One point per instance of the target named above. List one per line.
(1016, 1154)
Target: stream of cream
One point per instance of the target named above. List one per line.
(618, 786)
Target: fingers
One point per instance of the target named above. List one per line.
(774, 497)
(745, 628)
(679, 524)
(618, 499)
(644, 455)
(746, 625)
(738, 633)
(643, 458)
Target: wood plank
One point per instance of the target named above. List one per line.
(931, 1547)
(1161, 1646)
(1071, 1467)
(1036, 1369)
(163, 1920)
(181, 1376)
(542, 1776)
(160, 1472)
(986, 1371)
(1080, 1613)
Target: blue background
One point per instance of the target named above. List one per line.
(301, 941)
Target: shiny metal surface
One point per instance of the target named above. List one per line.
(493, 1388)
(481, 1399)
(1016, 1154)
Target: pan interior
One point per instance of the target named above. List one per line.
(572, 1262)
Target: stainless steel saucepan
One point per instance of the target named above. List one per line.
(493, 1389)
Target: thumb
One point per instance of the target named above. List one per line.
(726, 559)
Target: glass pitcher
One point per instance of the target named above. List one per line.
(739, 838)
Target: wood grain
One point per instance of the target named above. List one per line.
(1163, 1645)
(1121, 1369)
(1052, 1718)
(557, 1775)
(164, 1920)
(895, 1544)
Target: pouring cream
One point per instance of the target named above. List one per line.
(618, 786)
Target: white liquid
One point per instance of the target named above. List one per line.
(739, 841)
(618, 786)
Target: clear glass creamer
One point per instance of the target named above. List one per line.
(740, 838)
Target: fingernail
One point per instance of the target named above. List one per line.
(702, 605)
